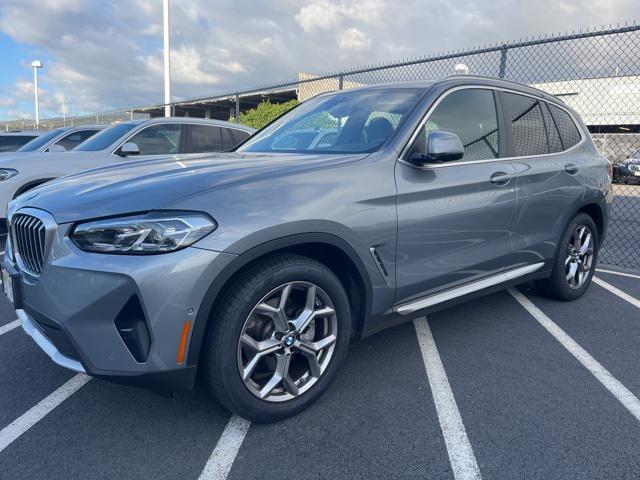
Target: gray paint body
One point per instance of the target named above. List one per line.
(434, 228)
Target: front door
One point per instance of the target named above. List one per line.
(455, 219)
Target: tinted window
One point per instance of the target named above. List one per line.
(40, 141)
(74, 139)
(568, 131)
(524, 115)
(227, 139)
(10, 143)
(161, 139)
(204, 139)
(337, 123)
(553, 137)
(106, 138)
(239, 136)
(470, 114)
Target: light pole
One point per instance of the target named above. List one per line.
(167, 60)
(36, 64)
(64, 110)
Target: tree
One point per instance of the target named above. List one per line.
(265, 112)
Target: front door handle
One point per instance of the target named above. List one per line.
(571, 169)
(500, 178)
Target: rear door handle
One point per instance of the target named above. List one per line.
(571, 169)
(500, 178)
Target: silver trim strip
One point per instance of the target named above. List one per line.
(468, 162)
(456, 292)
(45, 344)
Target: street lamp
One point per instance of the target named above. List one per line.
(36, 64)
(167, 59)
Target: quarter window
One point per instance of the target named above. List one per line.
(470, 114)
(555, 143)
(524, 115)
(227, 140)
(569, 133)
(158, 139)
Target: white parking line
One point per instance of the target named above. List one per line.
(461, 456)
(223, 456)
(617, 389)
(616, 291)
(9, 326)
(622, 274)
(32, 416)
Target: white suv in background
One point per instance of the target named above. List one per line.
(133, 140)
(57, 140)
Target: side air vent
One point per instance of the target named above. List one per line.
(381, 268)
(132, 327)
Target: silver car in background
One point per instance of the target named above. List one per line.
(13, 140)
(133, 140)
(57, 140)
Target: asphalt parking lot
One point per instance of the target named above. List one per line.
(508, 386)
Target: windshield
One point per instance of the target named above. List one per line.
(346, 122)
(40, 141)
(105, 138)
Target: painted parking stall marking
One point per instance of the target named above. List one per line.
(9, 326)
(616, 291)
(622, 274)
(461, 456)
(617, 389)
(32, 416)
(224, 454)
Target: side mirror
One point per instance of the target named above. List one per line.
(440, 147)
(128, 148)
(56, 148)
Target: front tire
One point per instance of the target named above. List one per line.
(277, 339)
(575, 261)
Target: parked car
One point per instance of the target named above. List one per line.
(125, 141)
(57, 140)
(628, 171)
(11, 141)
(259, 267)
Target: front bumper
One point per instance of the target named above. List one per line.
(70, 310)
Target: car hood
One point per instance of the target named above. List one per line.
(149, 184)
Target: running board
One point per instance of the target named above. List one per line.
(456, 292)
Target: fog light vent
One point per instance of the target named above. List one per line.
(132, 327)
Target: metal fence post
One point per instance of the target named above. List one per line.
(340, 82)
(503, 61)
(237, 115)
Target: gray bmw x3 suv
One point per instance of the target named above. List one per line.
(351, 213)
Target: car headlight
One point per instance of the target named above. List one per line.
(6, 173)
(154, 232)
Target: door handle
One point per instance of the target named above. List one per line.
(571, 169)
(500, 178)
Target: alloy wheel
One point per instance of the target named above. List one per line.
(287, 341)
(579, 260)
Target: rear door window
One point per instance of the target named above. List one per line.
(74, 139)
(204, 139)
(524, 118)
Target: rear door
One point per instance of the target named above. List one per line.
(549, 184)
(455, 219)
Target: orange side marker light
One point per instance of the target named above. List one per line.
(182, 347)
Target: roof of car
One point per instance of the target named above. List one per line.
(205, 121)
(22, 133)
(460, 80)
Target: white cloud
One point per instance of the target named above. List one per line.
(353, 39)
(106, 55)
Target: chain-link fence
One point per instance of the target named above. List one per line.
(597, 72)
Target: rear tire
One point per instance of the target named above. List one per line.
(575, 261)
(264, 354)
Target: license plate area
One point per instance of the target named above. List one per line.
(11, 284)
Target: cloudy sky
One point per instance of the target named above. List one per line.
(108, 54)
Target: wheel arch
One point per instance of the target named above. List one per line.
(595, 211)
(329, 249)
